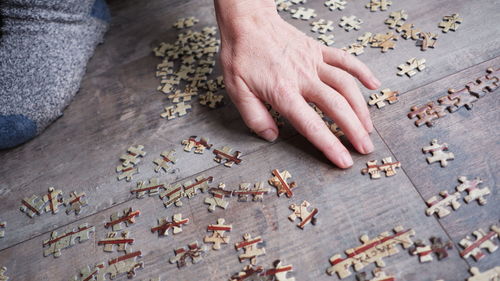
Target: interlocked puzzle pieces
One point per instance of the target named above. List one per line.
(303, 13)
(411, 67)
(489, 275)
(245, 191)
(426, 40)
(75, 202)
(112, 240)
(376, 5)
(326, 39)
(450, 22)
(198, 145)
(217, 199)
(384, 41)
(372, 251)
(396, 19)
(457, 99)
(322, 26)
(387, 95)
(350, 23)
(2, 226)
(249, 246)
(32, 206)
(193, 252)
(211, 100)
(425, 252)
(167, 156)
(223, 155)
(52, 200)
(280, 182)
(335, 4)
(172, 111)
(2, 274)
(427, 114)
(164, 225)
(441, 206)
(301, 211)
(174, 194)
(185, 22)
(129, 161)
(58, 242)
(143, 187)
(182, 96)
(201, 183)
(439, 153)
(118, 219)
(474, 247)
(387, 166)
(473, 190)
(217, 236)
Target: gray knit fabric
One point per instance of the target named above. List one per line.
(44, 48)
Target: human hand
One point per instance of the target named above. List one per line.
(265, 59)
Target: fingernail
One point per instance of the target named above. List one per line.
(367, 145)
(269, 135)
(346, 159)
(376, 82)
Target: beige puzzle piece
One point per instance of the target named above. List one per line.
(245, 191)
(164, 225)
(122, 219)
(193, 252)
(226, 156)
(53, 199)
(492, 274)
(3, 277)
(279, 180)
(217, 199)
(473, 248)
(250, 248)
(113, 239)
(322, 26)
(388, 166)
(178, 110)
(211, 100)
(132, 157)
(58, 242)
(396, 19)
(198, 145)
(217, 237)
(182, 96)
(303, 13)
(201, 183)
(450, 22)
(249, 272)
(350, 23)
(167, 157)
(127, 172)
(376, 5)
(326, 39)
(473, 190)
(336, 4)
(302, 212)
(279, 272)
(423, 251)
(75, 203)
(185, 22)
(125, 264)
(408, 31)
(354, 49)
(174, 194)
(384, 41)
(386, 95)
(426, 40)
(88, 273)
(143, 187)
(438, 152)
(441, 206)
(32, 206)
(411, 67)
(3, 224)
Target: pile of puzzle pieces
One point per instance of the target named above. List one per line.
(50, 203)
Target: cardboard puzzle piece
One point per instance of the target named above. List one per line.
(164, 225)
(411, 67)
(280, 182)
(303, 13)
(374, 170)
(423, 251)
(378, 275)
(276, 115)
(174, 194)
(250, 248)
(473, 190)
(249, 273)
(113, 240)
(185, 22)
(492, 274)
(279, 272)
(457, 99)
(485, 84)
(167, 157)
(408, 31)
(3, 277)
(427, 114)
(302, 212)
(426, 40)
(58, 242)
(217, 237)
(386, 95)
(194, 252)
(336, 4)
(350, 23)
(396, 19)
(126, 172)
(334, 128)
(177, 110)
(326, 39)
(257, 192)
(217, 199)
(132, 155)
(371, 251)
(3, 224)
(440, 206)
(119, 220)
(88, 273)
(182, 96)
(211, 100)
(473, 248)
(201, 183)
(384, 41)
(450, 22)
(365, 39)
(53, 199)
(75, 202)
(125, 264)
(198, 145)
(440, 248)
(376, 5)
(32, 206)
(143, 187)
(354, 49)
(438, 152)
(224, 155)
(322, 26)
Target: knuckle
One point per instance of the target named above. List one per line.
(312, 127)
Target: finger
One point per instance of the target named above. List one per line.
(344, 83)
(336, 106)
(255, 114)
(310, 125)
(342, 59)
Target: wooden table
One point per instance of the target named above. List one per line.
(118, 106)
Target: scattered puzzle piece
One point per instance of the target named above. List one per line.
(440, 248)
(257, 193)
(163, 162)
(376, 5)
(441, 206)
(301, 211)
(426, 114)
(334, 128)
(303, 13)
(143, 187)
(365, 39)
(474, 247)
(125, 264)
(211, 100)
(473, 190)
(326, 39)
(180, 109)
(411, 67)
(450, 22)
(354, 49)
(384, 41)
(190, 188)
(279, 272)
(249, 246)
(217, 199)
(387, 95)
(32, 206)
(217, 236)
(249, 273)
(280, 182)
(75, 202)
(121, 241)
(193, 252)
(126, 172)
(2, 226)
(335, 4)
(426, 40)
(408, 31)
(350, 23)
(423, 251)
(132, 155)
(58, 242)
(182, 96)
(439, 153)
(52, 200)
(396, 19)
(387, 166)
(224, 154)
(492, 274)
(87, 273)
(185, 22)
(2, 274)
(164, 225)
(322, 26)
(119, 219)
(378, 275)
(198, 145)
(174, 194)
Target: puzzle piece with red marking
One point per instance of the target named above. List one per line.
(386, 95)
(441, 206)
(167, 157)
(245, 191)
(473, 190)
(88, 273)
(279, 272)
(194, 252)
(75, 202)
(53, 199)
(126, 172)
(250, 248)
(164, 225)
(280, 182)
(473, 248)
(376, 5)
(423, 251)
(438, 152)
(224, 155)
(440, 248)
(132, 155)
(427, 114)
(125, 264)
(182, 96)
(174, 194)
(302, 212)
(217, 237)
(32, 206)
(58, 242)
(198, 145)
(217, 199)
(249, 273)
(143, 187)
(119, 220)
(120, 241)
(388, 166)
(201, 183)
